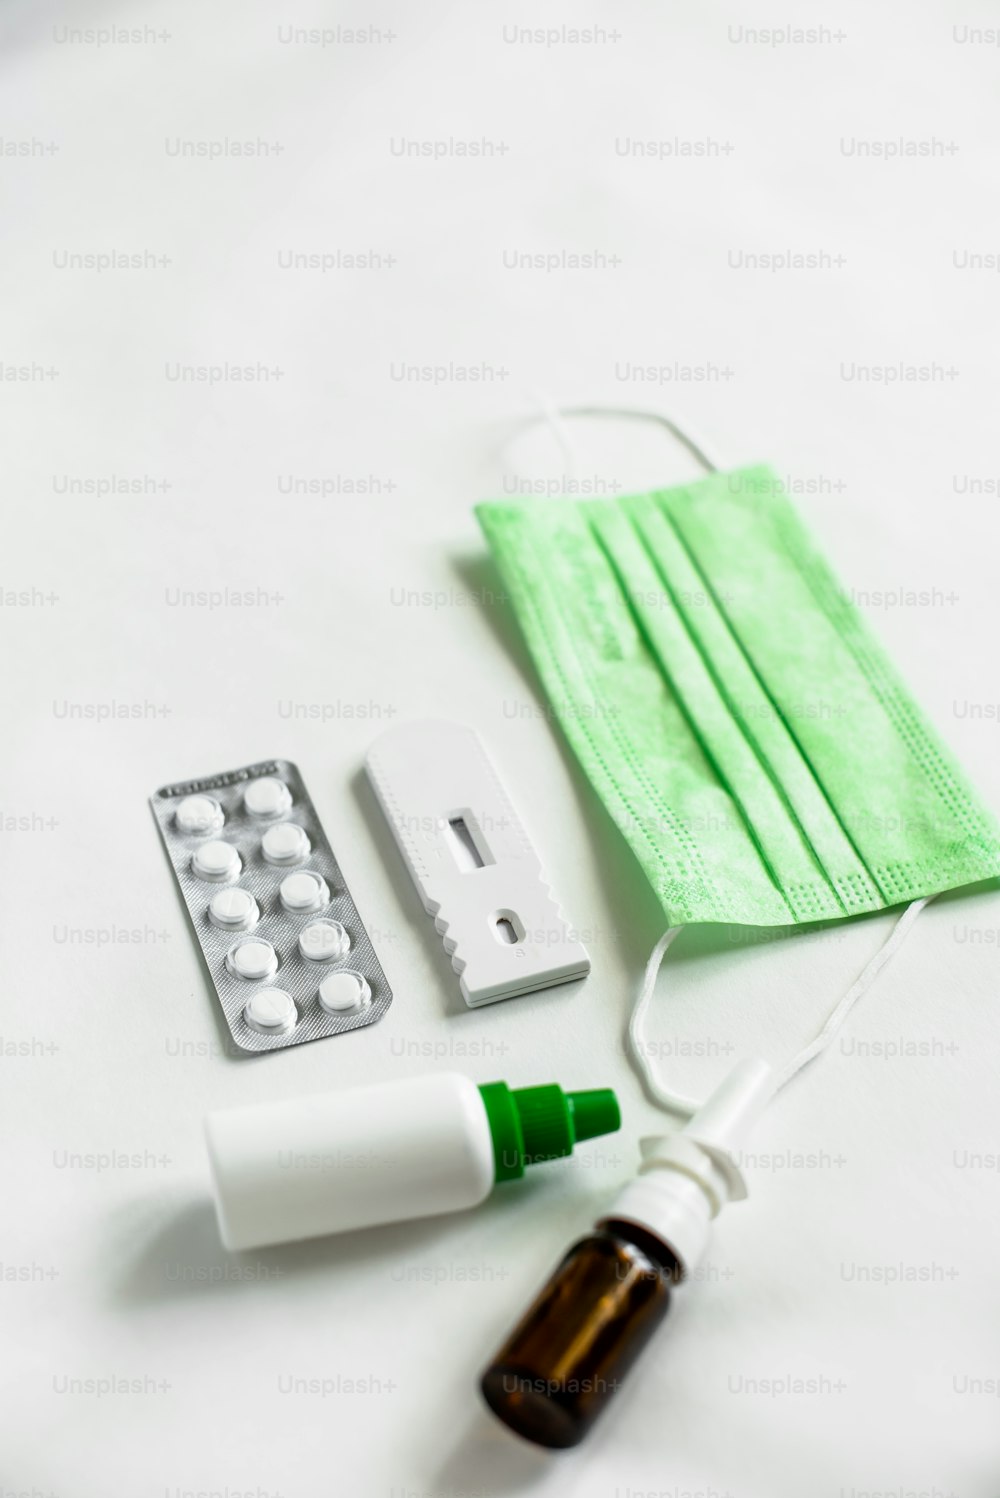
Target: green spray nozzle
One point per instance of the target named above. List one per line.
(532, 1124)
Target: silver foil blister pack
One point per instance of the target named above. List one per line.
(281, 936)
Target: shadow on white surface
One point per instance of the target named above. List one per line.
(490, 1461)
(183, 1256)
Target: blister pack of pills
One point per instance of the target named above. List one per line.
(278, 929)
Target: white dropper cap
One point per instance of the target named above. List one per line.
(687, 1178)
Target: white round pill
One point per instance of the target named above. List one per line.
(271, 1011)
(285, 844)
(216, 861)
(233, 910)
(343, 991)
(252, 960)
(324, 941)
(199, 815)
(303, 892)
(267, 797)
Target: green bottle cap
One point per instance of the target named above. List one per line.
(532, 1124)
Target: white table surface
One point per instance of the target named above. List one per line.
(378, 607)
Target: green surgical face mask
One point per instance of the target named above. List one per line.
(732, 708)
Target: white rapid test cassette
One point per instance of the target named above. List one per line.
(472, 862)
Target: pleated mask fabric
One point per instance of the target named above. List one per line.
(732, 708)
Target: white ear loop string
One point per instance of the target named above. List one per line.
(552, 417)
(676, 1102)
(555, 418)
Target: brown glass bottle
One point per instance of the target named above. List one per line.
(566, 1358)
